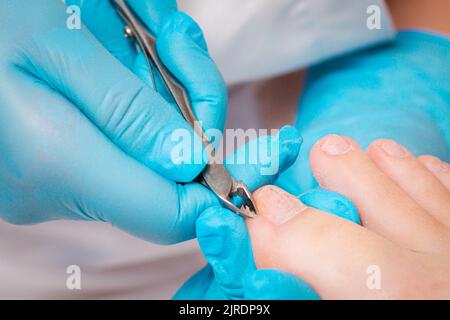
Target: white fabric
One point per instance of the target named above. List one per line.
(252, 39)
(114, 265)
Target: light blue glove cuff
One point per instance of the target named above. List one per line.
(397, 91)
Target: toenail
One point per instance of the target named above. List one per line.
(435, 165)
(335, 145)
(270, 197)
(393, 149)
(264, 192)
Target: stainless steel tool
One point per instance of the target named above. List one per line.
(215, 176)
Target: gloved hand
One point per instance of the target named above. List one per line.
(398, 91)
(184, 52)
(81, 137)
(231, 273)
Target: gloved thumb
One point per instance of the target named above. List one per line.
(224, 241)
(131, 114)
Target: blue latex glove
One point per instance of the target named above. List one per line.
(397, 91)
(81, 137)
(231, 272)
(189, 60)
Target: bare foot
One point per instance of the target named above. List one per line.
(404, 203)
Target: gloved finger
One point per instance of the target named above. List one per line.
(225, 243)
(182, 49)
(195, 198)
(152, 78)
(331, 202)
(201, 286)
(287, 142)
(72, 171)
(222, 234)
(181, 34)
(260, 161)
(270, 284)
(197, 286)
(288, 145)
(153, 12)
(127, 111)
(104, 22)
(101, 19)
